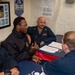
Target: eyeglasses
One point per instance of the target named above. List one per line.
(24, 25)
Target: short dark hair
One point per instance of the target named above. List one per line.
(17, 21)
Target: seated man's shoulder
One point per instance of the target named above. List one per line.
(9, 38)
(33, 28)
(47, 27)
(7, 41)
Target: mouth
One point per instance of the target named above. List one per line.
(42, 25)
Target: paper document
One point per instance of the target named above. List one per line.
(49, 49)
(55, 45)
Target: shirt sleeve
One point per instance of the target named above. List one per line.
(14, 51)
(51, 36)
(52, 68)
(8, 61)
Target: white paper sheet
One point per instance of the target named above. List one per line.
(49, 49)
(55, 45)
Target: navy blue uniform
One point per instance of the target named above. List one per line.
(62, 66)
(46, 35)
(6, 61)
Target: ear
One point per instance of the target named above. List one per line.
(64, 46)
(37, 22)
(18, 26)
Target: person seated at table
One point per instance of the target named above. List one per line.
(18, 43)
(19, 46)
(41, 34)
(7, 63)
(66, 64)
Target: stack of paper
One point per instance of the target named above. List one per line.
(55, 45)
(52, 48)
(49, 49)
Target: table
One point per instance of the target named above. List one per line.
(49, 56)
(59, 53)
(52, 56)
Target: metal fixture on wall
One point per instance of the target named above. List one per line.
(70, 1)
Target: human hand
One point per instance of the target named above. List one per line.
(29, 38)
(14, 71)
(34, 47)
(42, 43)
(36, 59)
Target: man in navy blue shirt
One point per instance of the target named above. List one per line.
(41, 34)
(66, 64)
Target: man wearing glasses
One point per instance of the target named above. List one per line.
(18, 43)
